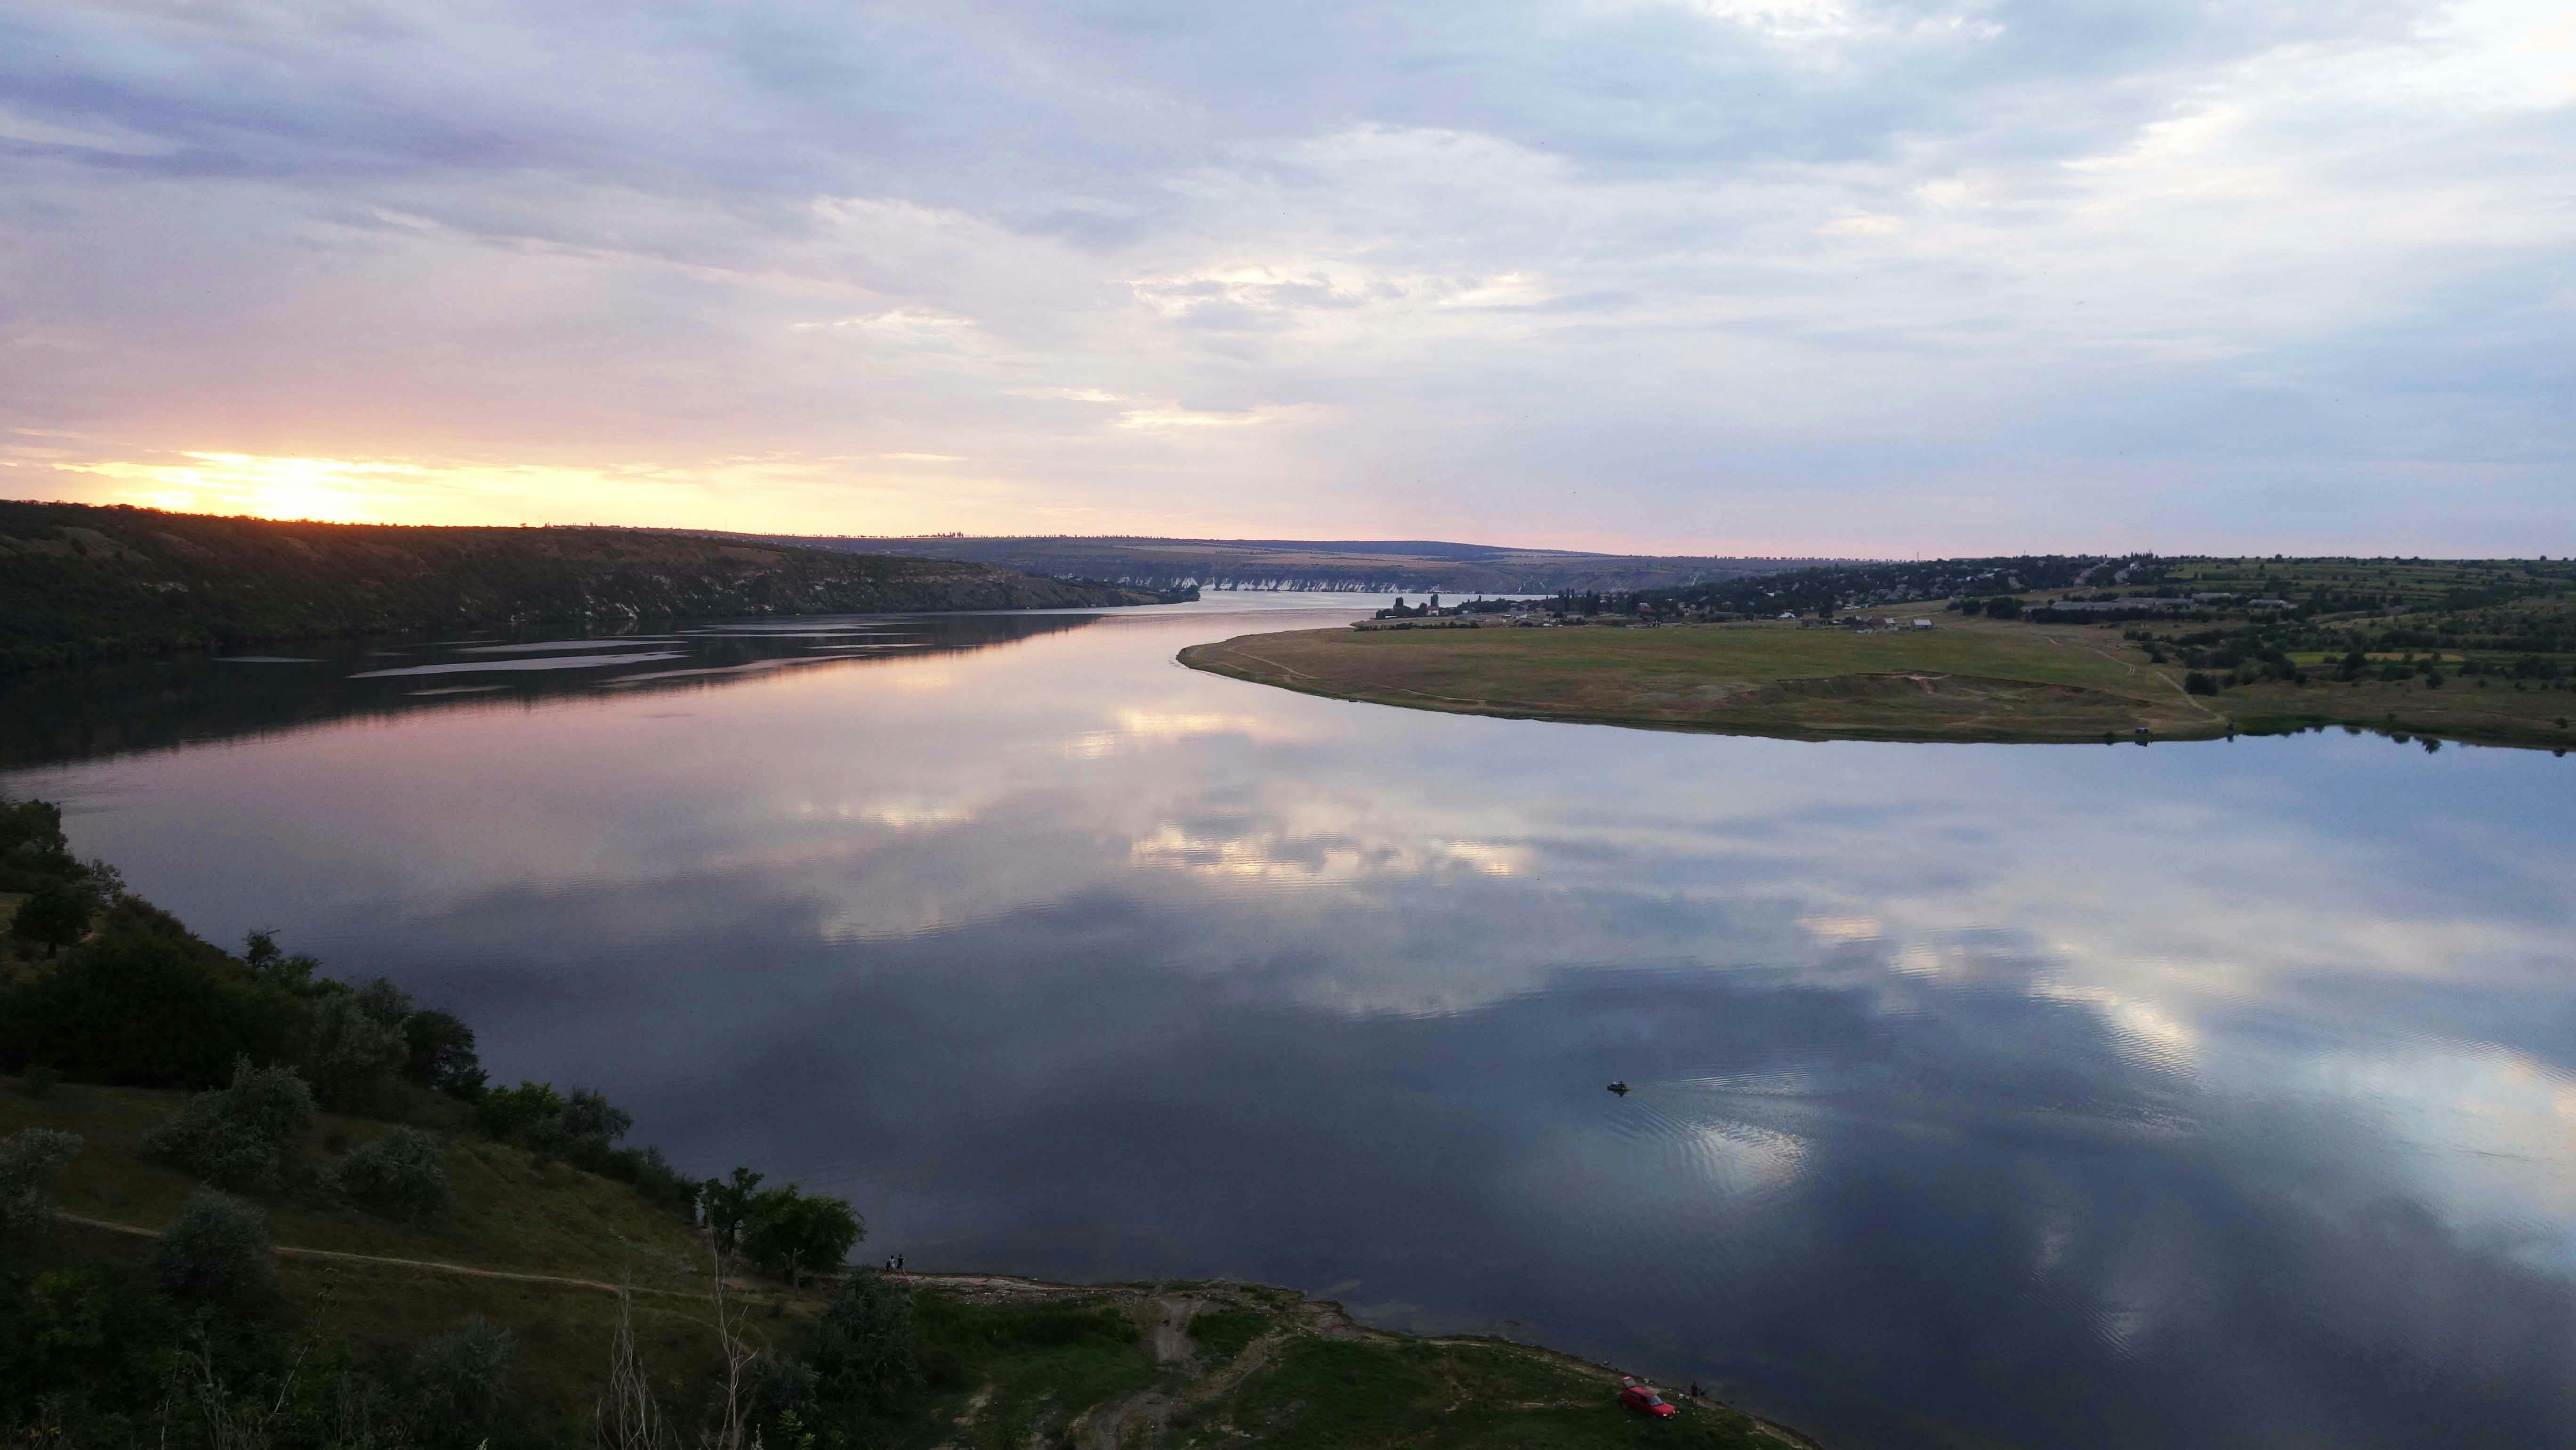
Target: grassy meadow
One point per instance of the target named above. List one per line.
(1971, 681)
(1966, 679)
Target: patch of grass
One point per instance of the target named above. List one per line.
(1225, 1333)
(1998, 682)
(1965, 681)
(1028, 1370)
(514, 1213)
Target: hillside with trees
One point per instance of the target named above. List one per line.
(1375, 566)
(80, 584)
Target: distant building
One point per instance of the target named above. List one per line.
(1922, 624)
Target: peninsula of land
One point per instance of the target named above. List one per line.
(80, 585)
(2459, 651)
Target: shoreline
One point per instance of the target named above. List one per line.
(1816, 686)
(1327, 1317)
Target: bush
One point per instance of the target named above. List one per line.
(249, 1136)
(863, 1356)
(460, 1379)
(218, 1252)
(31, 1170)
(2197, 683)
(400, 1175)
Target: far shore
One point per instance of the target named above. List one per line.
(1959, 681)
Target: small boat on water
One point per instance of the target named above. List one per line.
(1620, 1087)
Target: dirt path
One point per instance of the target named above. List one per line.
(429, 1264)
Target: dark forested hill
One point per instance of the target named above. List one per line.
(1403, 565)
(79, 584)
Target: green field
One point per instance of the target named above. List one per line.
(1962, 682)
(1965, 680)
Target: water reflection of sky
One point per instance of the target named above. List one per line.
(2218, 1094)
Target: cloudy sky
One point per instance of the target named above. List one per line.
(1761, 276)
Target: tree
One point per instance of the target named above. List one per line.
(268, 963)
(587, 1115)
(55, 915)
(247, 1136)
(349, 1050)
(218, 1251)
(146, 1004)
(2198, 683)
(31, 1170)
(511, 1112)
(791, 1234)
(461, 1379)
(864, 1351)
(400, 1175)
(2003, 606)
(727, 1207)
(438, 1054)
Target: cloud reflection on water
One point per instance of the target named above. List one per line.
(2055, 1095)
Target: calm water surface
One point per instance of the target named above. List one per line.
(2218, 1094)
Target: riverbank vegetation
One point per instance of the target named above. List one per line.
(245, 1206)
(80, 585)
(2477, 651)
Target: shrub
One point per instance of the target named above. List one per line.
(248, 1136)
(31, 1170)
(2198, 683)
(864, 1351)
(460, 1379)
(400, 1175)
(218, 1251)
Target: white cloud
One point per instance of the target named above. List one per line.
(1624, 273)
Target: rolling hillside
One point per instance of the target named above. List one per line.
(80, 584)
(1357, 565)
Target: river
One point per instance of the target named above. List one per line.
(2219, 1094)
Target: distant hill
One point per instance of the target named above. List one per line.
(81, 584)
(1375, 566)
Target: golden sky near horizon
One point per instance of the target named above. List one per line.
(1788, 277)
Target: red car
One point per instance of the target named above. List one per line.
(1644, 1400)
